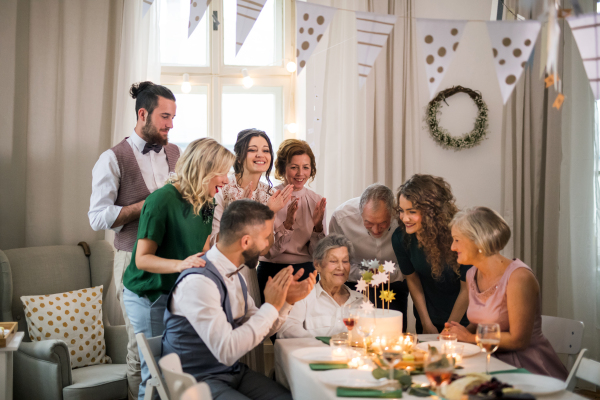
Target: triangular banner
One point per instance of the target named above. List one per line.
(586, 31)
(512, 42)
(439, 40)
(146, 4)
(197, 10)
(311, 23)
(372, 31)
(247, 14)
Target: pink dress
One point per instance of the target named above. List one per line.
(490, 307)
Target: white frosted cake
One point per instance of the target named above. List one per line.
(386, 323)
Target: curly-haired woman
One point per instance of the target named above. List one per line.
(253, 158)
(175, 224)
(422, 242)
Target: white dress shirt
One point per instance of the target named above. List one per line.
(347, 220)
(198, 299)
(317, 315)
(106, 178)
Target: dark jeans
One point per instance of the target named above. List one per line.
(267, 269)
(245, 385)
(400, 303)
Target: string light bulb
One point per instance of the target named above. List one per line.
(186, 86)
(247, 81)
(292, 128)
(291, 66)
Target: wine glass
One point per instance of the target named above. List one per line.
(349, 316)
(488, 339)
(388, 353)
(438, 367)
(365, 324)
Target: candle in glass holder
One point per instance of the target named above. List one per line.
(447, 338)
(408, 341)
(339, 348)
(455, 350)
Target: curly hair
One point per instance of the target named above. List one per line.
(241, 152)
(202, 160)
(288, 149)
(433, 197)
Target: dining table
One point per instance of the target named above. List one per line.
(304, 384)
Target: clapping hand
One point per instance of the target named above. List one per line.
(318, 215)
(193, 261)
(291, 214)
(280, 198)
(299, 290)
(277, 288)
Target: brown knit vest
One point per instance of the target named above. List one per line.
(133, 189)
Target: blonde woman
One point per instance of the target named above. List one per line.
(175, 225)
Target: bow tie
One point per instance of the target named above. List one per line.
(156, 147)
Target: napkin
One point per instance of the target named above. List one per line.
(511, 371)
(373, 393)
(326, 367)
(324, 339)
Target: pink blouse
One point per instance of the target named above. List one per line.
(297, 245)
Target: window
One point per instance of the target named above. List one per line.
(218, 105)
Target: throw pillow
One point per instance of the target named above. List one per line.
(74, 317)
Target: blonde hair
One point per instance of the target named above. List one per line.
(288, 149)
(202, 160)
(485, 227)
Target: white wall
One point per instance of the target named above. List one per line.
(475, 174)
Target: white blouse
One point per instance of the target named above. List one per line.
(318, 314)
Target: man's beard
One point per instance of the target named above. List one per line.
(152, 135)
(251, 257)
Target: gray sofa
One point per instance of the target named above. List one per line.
(42, 369)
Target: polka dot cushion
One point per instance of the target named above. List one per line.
(74, 317)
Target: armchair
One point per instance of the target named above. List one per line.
(42, 369)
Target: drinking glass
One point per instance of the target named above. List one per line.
(488, 339)
(438, 367)
(388, 353)
(365, 324)
(349, 316)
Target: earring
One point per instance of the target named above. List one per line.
(480, 250)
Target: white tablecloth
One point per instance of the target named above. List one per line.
(297, 376)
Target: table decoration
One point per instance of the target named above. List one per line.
(339, 348)
(456, 351)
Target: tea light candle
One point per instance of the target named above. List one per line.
(456, 351)
(339, 349)
(360, 363)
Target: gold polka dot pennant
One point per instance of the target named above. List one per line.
(247, 14)
(312, 21)
(197, 10)
(372, 32)
(586, 31)
(146, 4)
(439, 40)
(512, 42)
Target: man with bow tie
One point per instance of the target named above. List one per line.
(122, 179)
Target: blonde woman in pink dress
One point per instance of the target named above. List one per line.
(501, 291)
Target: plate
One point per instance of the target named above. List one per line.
(468, 349)
(531, 383)
(322, 355)
(428, 337)
(350, 378)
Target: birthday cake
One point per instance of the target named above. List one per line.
(385, 323)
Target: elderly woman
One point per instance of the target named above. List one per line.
(501, 291)
(316, 315)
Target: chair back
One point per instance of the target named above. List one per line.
(565, 336)
(176, 380)
(584, 368)
(151, 349)
(48, 270)
(200, 391)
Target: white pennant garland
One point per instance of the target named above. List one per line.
(586, 31)
(439, 40)
(146, 4)
(197, 10)
(512, 42)
(372, 32)
(311, 23)
(247, 14)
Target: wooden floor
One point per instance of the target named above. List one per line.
(588, 394)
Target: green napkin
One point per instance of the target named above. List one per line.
(351, 392)
(326, 367)
(324, 339)
(511, 371)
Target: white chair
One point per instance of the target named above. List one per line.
(565, 336)
(584, 368)
(151, 349)
(176, 380)
(200, 391)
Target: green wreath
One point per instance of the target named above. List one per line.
(442, 136)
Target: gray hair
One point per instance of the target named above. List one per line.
(331, 242)
(378, 192)
(485, 227)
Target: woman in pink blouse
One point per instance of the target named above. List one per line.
(253, 158)
(300, 225)
(501, 291)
